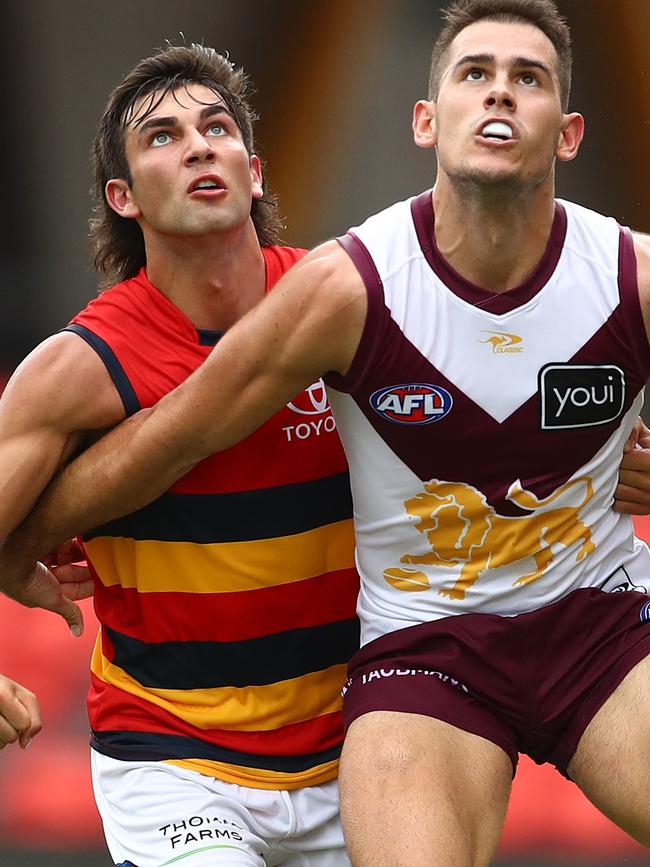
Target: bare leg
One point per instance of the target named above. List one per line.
(417, 792)
(612, 762)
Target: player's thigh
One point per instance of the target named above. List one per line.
(612, 762)
(318, 837)
(155, 814)
(418, 792)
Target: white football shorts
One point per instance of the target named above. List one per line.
(156, 814)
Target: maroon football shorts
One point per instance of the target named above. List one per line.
(529, 683)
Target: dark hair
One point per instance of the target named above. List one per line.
(117, 242)
(543, 14)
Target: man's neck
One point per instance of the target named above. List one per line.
(495, 242)
(214, 280)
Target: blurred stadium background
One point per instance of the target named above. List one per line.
(335, 82)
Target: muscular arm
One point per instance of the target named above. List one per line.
(59, 392)
(310, 324)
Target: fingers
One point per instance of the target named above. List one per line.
(70, 551)
(42, 590)
(638, 460)
(71, 613)
(75, 581)
(20, 716)
(631, 498)
(633, 437)
(628, 507)
(639, 436)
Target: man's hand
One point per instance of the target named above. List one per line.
(20, 716)
(35, 586)
(68, 564)
(632, 496)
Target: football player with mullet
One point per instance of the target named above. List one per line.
(482, 480)
(227, 607)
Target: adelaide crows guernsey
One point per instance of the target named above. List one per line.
(483, 431)
(227, 606)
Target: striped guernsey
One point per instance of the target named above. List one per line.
(227, 606)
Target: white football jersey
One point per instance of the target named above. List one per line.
(484, 432)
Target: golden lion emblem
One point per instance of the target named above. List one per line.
(462, 527)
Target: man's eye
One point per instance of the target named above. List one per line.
(216, 129)
(160, 138)
(475, 75)
(529, 79)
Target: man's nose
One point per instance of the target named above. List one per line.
(198, 147)
(501, 96)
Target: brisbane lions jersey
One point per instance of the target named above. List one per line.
(484, 431)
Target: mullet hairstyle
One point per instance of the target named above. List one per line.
(542, 14)
(117, 242)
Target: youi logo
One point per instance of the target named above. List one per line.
(412, 403)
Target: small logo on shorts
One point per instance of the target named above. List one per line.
(644, 614)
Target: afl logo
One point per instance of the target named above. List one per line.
(412, 403)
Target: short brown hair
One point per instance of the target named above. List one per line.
(117, 242)
(542, 14)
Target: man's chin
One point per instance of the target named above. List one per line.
(493, 185)
(490, 176)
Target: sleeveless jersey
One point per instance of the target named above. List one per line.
(227, 606)
(484, 431)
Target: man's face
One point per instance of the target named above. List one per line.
(190, 172)
(498, 117)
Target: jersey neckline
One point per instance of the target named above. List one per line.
(503, 302)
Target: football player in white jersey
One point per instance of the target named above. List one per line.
(435, 728)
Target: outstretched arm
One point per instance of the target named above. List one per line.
(310, 324)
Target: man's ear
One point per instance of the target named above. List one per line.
(573, 130)
(425, 132)
(256, 177)
(119, 198)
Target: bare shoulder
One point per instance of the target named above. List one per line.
(63, 383)
(323, 300)
(327, 272)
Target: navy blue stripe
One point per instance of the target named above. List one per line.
(241, 516)
(250, 662)
(208, 337)
(115, 369)
(146, 746)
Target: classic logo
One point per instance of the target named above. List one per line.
(580, 395)
(503, 342)
(412, 403)
(311, 401)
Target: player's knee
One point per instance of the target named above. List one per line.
(382, 758)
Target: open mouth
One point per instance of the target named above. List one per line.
(498, 131)
(210, 184)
